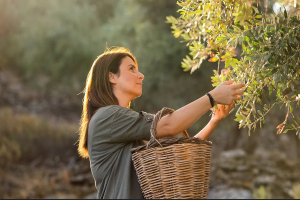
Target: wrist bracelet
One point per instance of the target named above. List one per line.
(212, 101)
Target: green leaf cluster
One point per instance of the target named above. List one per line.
(269, 62)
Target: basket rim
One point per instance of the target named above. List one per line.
(165, 142)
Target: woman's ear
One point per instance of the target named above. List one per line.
(112, 78)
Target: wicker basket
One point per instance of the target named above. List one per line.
(171, 168)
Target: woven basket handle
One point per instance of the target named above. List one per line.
(157, 117)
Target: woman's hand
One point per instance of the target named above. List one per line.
(226, 93)
(218, 115)
(221, 112)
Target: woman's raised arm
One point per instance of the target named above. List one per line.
(226, 93)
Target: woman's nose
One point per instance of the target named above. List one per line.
(141, 76)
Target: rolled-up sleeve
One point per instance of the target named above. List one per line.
(129, 125)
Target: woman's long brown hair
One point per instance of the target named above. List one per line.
(98, 90)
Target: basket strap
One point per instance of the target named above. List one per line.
(157, 117)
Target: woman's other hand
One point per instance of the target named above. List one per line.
(226, 93)
(218, 115)
(221, 112)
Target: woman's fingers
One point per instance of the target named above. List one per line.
(228, 82)
(238, 92)
(228, 107)
(226, 93)
(231, 106)
(238, 85)
(223, 107)
(237, 97)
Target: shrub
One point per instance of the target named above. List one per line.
(25, 137)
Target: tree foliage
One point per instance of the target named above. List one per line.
(269, 63)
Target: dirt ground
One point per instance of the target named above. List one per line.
(234, 174)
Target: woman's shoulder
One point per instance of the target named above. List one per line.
(109, 108)
(106, 111)
(110, 111)
(103, 114)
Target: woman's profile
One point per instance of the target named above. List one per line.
(110, 129)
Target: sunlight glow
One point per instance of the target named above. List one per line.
(276, 7)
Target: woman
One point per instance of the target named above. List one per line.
(109, 129)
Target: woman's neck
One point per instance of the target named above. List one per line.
(123, 103)
(124, 100)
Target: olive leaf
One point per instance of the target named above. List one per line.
(269, 58)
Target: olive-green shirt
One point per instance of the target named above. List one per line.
(113, 131)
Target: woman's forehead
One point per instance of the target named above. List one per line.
(127, 61)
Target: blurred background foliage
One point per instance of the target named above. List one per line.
(47, 48)
(52, 48)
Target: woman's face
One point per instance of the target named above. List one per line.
(129, 82)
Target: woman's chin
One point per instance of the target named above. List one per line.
(138, 94)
